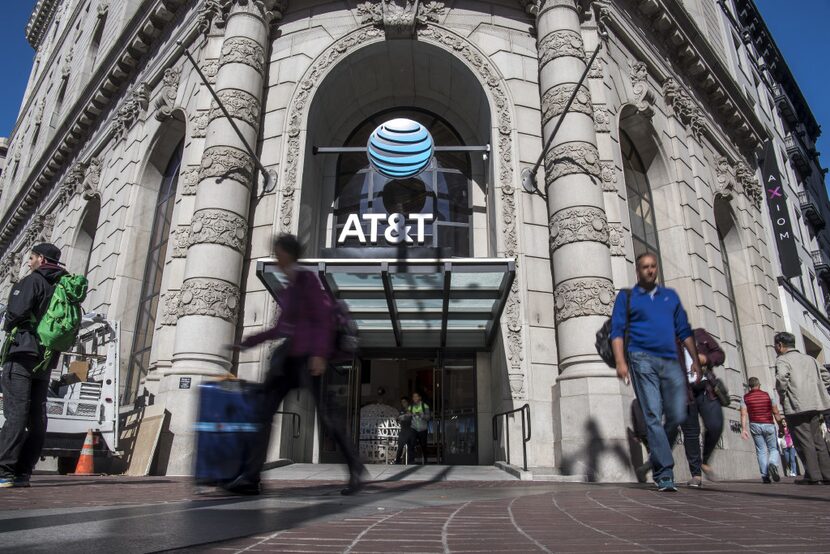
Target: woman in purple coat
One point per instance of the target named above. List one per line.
(306, 324)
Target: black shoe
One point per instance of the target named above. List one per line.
(806, 482)
(357, 480)
(243, 487)
(766, 480)
(773, 472)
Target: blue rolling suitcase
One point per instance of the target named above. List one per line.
(229, 428)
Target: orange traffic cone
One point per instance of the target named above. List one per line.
(86, 465)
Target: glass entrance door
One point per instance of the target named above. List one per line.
(340, 403)
(456, 414)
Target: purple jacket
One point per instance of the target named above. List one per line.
(306, 318)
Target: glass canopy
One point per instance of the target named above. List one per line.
(451, 303)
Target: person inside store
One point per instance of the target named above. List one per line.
(421, 415)
(406, 439)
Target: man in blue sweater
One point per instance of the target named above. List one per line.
(650, 360)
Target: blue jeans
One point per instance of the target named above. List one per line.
(766, 446)
(660, 386)
(789, 457)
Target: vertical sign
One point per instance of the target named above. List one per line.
(779, 214)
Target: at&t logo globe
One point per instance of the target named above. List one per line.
(400, 148)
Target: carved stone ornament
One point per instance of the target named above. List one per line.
(199, 123)
(572, 158)
(39, 230)
(218, 227)
(579, 224)
(181, 240)
(559, 44)
(643, 95)
(595, 71)
(725, 185)
(602, 119)
(240, 104)
(608, 175)
(130, 111)
(226, 162)
(243, 50)
(66, 69)
(90, 186)
(210, 68)
(189, 180)
(10, 267)
(37, 117)
(166, 102)
(683, 107)
(103, 8)
(209, 297)
(170, 302)
(216, 12)
(749, 184)
(496, 88)
(583, 297)
(399, 18)
(555, 99)
(616, 239)
(72, 184)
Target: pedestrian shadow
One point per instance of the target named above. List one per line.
(588, 461)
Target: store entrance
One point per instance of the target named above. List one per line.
(363, 399)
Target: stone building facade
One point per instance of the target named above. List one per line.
(122, 158)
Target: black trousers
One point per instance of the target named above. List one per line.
(421, 439)
(805, 429)
(287, 373)
(24, 407)
(405, 438)
(710, 410)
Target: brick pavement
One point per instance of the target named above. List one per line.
(440, 517)
(724, 517)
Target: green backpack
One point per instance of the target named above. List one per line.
(58, 328)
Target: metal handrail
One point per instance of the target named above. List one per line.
(295, 420)
(525, 431)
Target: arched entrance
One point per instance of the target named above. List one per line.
(425, 320)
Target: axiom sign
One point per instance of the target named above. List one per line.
(782, 227)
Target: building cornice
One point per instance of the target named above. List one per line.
(39, 21)
(115, 71)
(702, 69)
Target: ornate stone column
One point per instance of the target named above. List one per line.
(587, 401)
(209, 299)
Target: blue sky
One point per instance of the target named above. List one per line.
(799, 28)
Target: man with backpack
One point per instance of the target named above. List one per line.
(646, 322)
(27, 366)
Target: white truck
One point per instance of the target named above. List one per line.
(83, 394)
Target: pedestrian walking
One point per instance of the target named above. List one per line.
(758, 414)
(421, 415)
(24, 383)
(802, 383)
(785, 445)
(306, 327)
(703, 404)
(406, 439)
(645, 352)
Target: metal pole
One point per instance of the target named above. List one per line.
(269, 176)
(524, 442)
(507, 445)
(529, 176)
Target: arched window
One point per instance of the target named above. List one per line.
(728, 240)
(640, 202)
(151, 286)
(442, 190)
(85, 241)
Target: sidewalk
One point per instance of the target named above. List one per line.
(124, 515)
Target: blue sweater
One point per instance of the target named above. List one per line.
(656, 321)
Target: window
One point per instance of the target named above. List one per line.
(640, 203)
(56, 113)
(441, 190)
(151, 287)
(733, 305)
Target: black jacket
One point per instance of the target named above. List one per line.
(28, 301)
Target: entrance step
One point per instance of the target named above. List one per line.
(380, 472)
(549, 474)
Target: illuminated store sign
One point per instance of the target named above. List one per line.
(400, 148)
(396, 232)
